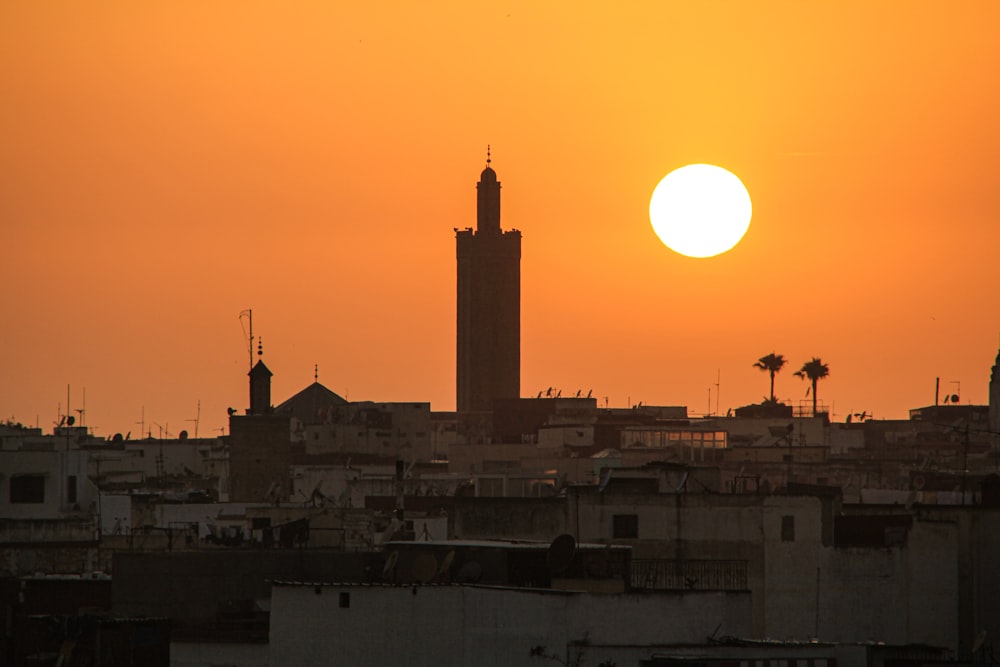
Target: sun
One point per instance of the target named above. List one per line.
(700, 210)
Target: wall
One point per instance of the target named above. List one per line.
(192, 587)
(897, 595)
(212, 654)
(402, 430)
(155, 458)
(55, 467)
(483, 626)
(509, 518)
(259, 458)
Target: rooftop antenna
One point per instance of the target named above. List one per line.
(718, 381)
(488, 158)
(249, 315)
(196, 419)
(83, 410)
(142, 421)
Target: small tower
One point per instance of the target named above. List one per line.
(259, 445)
(260, 386)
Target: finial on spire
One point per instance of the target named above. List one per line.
(316, 372)
(488, 159)
(260, 347)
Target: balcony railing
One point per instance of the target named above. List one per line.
(696, 575)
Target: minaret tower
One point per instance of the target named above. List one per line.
(995, 399)
(260, 385)
(489, 305)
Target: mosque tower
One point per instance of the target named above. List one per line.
(995, 400)
(489, 306)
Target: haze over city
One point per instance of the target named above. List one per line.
(166, 167)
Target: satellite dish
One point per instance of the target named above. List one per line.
(446, 563)
(70, 420)
(560, 554)
(425, 566)
(183, 435)
(470, 572)
(390, 565)
(954, 399)
(605, 479)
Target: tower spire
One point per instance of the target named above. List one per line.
(488, 199)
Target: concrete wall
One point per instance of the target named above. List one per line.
(156, 458)
(402, 430)
(466, 625)
(212, 654)
(898, 595)
(480, 457)
(190, 588)
(802, 585)
(509, 518)
(55, 468)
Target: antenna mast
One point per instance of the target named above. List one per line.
(196, 419)
(249, 315)
(718, 381)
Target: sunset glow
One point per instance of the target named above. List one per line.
(166, 166)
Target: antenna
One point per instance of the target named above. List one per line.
(196, 419)
(718, 381)
(83, 410)
(249, 315)
(142, 422)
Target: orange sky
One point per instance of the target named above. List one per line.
(165, 165)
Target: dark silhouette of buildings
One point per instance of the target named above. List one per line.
(489, 306)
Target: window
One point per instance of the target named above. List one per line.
(788, 528)
(345, 600)
(71, 489)
(625, 526)
(27, 489)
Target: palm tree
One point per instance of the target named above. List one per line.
(815, 370)
(772, 363)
